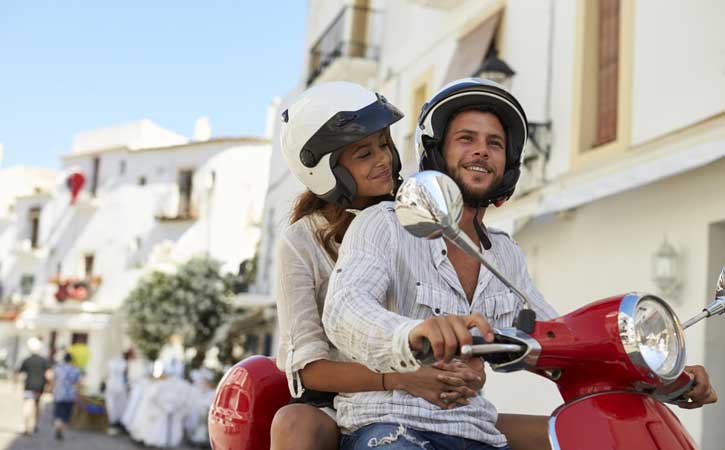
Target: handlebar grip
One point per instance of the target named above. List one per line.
(425, 356)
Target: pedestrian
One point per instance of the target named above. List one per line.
(117, 389)
(66, 377)
(34, 369)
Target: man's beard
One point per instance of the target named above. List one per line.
(473, 197)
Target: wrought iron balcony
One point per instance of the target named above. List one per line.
(354, 33)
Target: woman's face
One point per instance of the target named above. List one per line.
(370, 163)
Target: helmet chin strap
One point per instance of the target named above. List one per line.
(481, 230)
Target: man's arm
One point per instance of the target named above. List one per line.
(355, 319)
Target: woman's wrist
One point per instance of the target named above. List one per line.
(393, 381)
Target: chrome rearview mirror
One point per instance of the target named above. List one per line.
(717, 307)
(428, 203)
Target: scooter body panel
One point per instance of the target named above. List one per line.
(246, 400)
(617, 421)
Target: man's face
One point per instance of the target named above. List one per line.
(474, 149)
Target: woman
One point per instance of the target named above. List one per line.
(337, 142)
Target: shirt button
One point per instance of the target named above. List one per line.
(417, 283)
(444, 252)
(339, 270)
(402, 364)
(437, 311)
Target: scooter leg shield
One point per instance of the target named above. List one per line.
(617, 421)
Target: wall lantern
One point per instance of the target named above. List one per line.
(495, 69)
(666, 271)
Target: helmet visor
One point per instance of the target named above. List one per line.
(347, 127)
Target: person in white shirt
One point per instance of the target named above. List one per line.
(391, 291)
(336, 139)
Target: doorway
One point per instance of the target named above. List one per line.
(713, 433)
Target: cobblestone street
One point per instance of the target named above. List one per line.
(11, 428)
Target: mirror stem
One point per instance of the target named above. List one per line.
(462, 241)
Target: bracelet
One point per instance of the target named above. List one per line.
(383, 378)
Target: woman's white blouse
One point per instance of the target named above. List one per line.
(304, 270)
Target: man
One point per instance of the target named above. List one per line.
(34, 368)
(390, 290)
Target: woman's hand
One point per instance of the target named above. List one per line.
(471, 373)
(442, 387)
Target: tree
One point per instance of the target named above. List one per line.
(190, 303)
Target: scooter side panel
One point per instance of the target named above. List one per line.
(617, 421)
(245, 402)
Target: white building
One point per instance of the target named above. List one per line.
(627, 104)
(151, 198)
(16, 284)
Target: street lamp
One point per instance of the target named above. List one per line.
(495, 69)
(666, 270)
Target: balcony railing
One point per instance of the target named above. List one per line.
(354, 33)
(79, 289)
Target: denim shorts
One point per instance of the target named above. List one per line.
(62, 411)
(392, 436)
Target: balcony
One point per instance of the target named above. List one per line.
(349, 48)
(78, 289)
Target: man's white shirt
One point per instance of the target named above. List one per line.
(386, 282)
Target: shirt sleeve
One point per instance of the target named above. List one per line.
(302, 338)
(355, 317)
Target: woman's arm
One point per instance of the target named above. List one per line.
(445, 389)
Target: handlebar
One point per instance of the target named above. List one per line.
(479, 347)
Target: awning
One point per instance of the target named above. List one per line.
(247, 300)
(471, 49)
(245, 323)
(636, 170)
(59, 320)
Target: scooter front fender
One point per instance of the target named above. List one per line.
(617, 421)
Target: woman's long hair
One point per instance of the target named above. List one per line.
(338, 219)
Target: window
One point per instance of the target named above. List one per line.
(34, 219)
(267, 344)
(185, 187)
(601, 62)
(88, 261)
(94, 175)
(418, 98)
(27, 281)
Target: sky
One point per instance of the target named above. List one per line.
(68, 66)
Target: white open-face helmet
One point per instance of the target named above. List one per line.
(436, 116)
(323, 120)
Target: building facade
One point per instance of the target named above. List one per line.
(626, 104)
(150, 199)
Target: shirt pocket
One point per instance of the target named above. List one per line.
(502, 308)
(431, 301)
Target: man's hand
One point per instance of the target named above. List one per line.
(447, 334)
(702, 392)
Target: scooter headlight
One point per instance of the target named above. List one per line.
(652, 336)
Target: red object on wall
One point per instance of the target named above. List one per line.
(75, 182)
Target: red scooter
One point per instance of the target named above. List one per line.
(615, 361)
